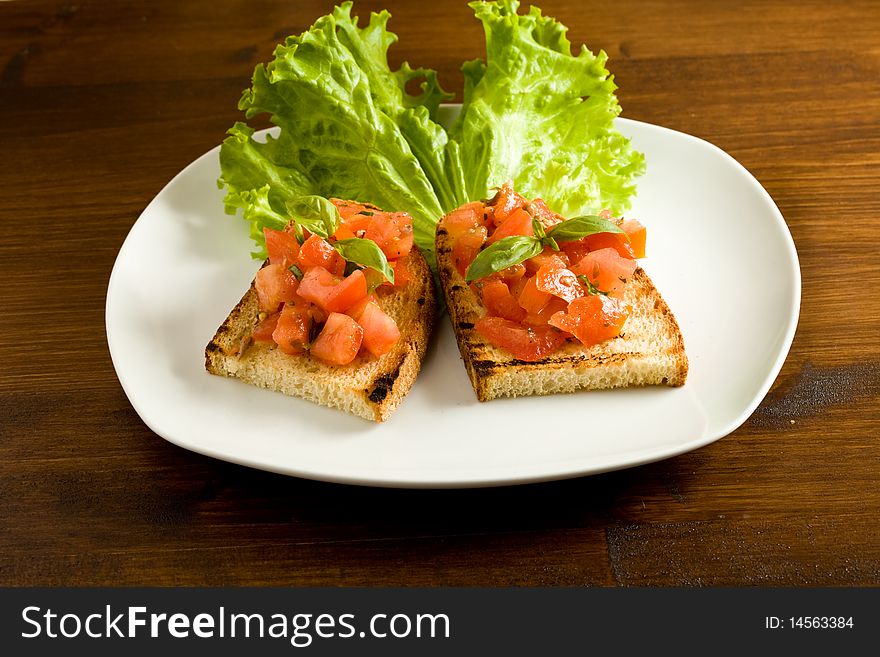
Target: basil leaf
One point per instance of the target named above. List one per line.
(365, 253)
(506, 252)
(549, 241)
(296, 271)
(316, 213)
(574, 229)
(592, 289)
(538, 228)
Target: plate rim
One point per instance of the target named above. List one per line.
(385, 480)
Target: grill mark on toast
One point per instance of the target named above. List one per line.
(596, 360)
(384, 383)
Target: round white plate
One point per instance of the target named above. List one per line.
(719, 251)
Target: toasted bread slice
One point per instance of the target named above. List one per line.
(649, 351)
(370, 388)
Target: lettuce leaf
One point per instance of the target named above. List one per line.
(347, 128)
(535, 114)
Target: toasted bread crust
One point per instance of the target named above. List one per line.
(649, 351)
(371, 388)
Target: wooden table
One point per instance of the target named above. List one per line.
(101, 103)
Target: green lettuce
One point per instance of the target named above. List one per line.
(535, 114)
(347, 128)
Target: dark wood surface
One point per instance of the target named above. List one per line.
(101, 103)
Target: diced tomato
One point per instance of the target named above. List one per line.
(464, 218)
(317, 252)
(318, 314)
(575, 250)
(291, 332)
(275, 284)
(355, 311)
(500, 302)
(380, 329)
(518, 223)
(559, 282)
(606, 269)
(638, 235)
(539, 210)
(466, 248)
(402, 273)
(617, 241)
(264, 330)
(518, 286)
(349, 209)
(547, 258)
(392, 232)
(543, 316)
(531, 298)
(512, 274)
(330, 292)
(359, 223)
(344, 232)
(506, 202)
(526, 343)
(339, 341)
(592, 319)
(282, 247)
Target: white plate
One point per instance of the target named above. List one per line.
(719, 252)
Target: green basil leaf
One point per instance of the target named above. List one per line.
(538, 227)
(506, 252)
(365, 253)
(549, 241)
(296, 271)
(574, 229)
(592, 289)
(298, 233)
(316, 213)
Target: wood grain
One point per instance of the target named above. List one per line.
(101, 103)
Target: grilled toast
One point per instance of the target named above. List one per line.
(369, 388)
(649, 351)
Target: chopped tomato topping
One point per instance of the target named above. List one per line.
(466, 248)
(542, 317)
(512, 274)
(616, 241)
(463, 219)
(574, 251)
(524, 342)
(539, 210)
(264, 330)
(592, 319)
(332, 293)
(275, 284)
(349, 209)
(392, 232)
(570, 289)
(518, 223)
(500, 302)
(380, 329)
(282, 247)
(291, 332)
(548, 257)
(344, 232)
(531, 298)
(606, 269)
(323, 300)
(339, 341)
(506, 202)
(559, 282)
(637, 236)
(402, 273)
(317, 252)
